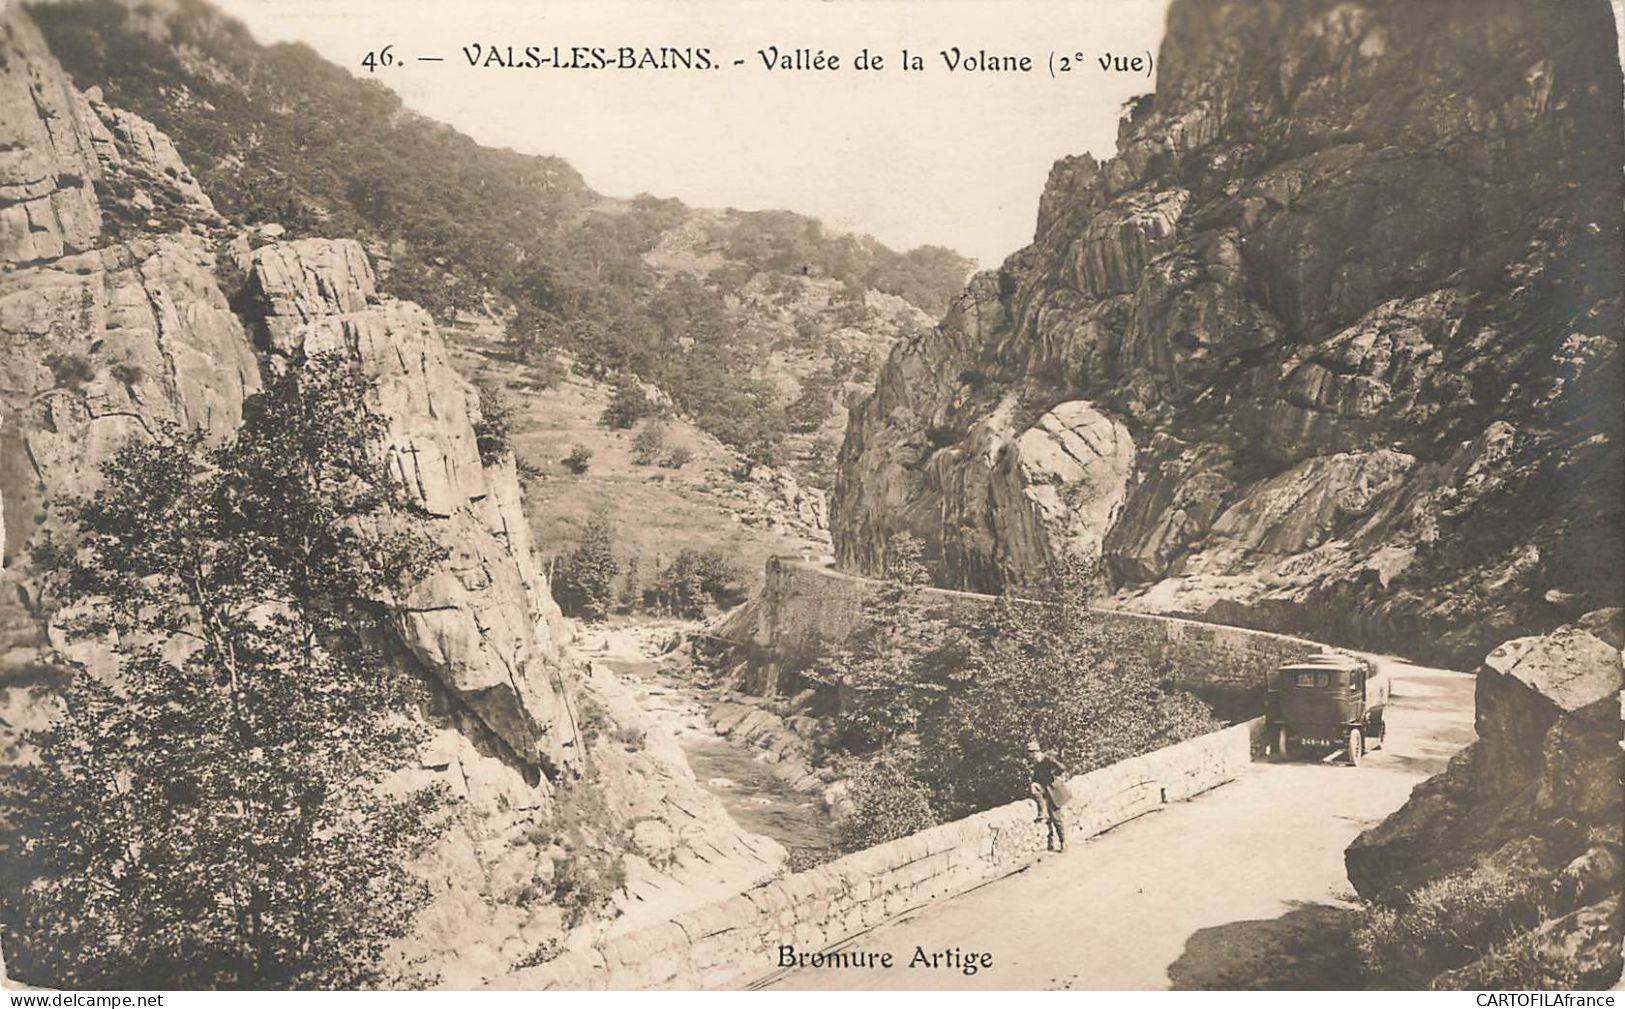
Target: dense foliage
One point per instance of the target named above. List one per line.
(278, 134)
(493, 428)
(584, 579)
(216, 815)
(694, 580)
(950, 699)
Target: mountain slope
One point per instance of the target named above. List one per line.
(1331, 345)
(703, 304)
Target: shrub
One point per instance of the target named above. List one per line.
(578, 460)
(888, 802)
(547, 372)
(808, 411)
(70, 370)
(492, 429)
(693, 578)
(1447, 922)
(581, 889)
(677, 458)
(125, 373)
(649, 443)
(547, 950)
(527, 470)
(1524, 964)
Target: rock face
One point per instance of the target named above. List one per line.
(1349, 300)
(483, 622)
(1537, 796)
(107, 342)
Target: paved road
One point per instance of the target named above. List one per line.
(1241, 886)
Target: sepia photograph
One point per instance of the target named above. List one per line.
(811, 495)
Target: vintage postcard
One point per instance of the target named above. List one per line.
(811, 495)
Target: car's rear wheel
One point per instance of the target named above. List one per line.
(1280, 742)
(1356, 746)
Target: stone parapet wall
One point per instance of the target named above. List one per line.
(735, 941)
(804, 607)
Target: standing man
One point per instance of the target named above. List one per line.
(1049, 793)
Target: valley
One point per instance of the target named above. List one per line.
(432, 572)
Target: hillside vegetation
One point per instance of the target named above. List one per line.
(750, 322)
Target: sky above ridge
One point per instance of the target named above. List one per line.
(954, 158)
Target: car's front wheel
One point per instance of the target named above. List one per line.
(1356, 746)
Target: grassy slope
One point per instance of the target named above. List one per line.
(656, 511)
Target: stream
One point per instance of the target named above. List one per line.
(746, 786)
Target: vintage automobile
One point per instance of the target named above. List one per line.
(1328, 701)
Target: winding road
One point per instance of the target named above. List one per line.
(1242, 886)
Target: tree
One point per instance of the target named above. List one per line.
(905, 560)
(493, 429)
(694, 578)
(626, 407)
(213, 815)
(583, 582)
(1092, 691)
(954, 701)
(900, 663)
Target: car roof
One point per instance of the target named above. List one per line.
(1325, 661)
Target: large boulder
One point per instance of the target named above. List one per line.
(1539, 794)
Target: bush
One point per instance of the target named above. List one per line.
(1446, 923)
(677, 458)
(578, 460)
(583, 580)
(626, 407)
(694, 578)
(126, 373)
(492, 429)
(70, 370)
(808, 411)
(547, 372)
(649, 443)
(888, 802)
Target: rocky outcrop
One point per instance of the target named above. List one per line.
(1537, 797)
(482, 622)
(1351, 291)
(47, 167)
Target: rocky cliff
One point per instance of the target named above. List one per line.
(1534, 806)
(127, 303)
(1331, 345)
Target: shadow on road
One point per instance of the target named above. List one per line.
(1306, 948)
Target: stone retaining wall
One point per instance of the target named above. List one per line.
(805, 607)
(733, 942)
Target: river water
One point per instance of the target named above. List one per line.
(756, 799)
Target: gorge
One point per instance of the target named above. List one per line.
(1329, 347)
(1326, 355)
